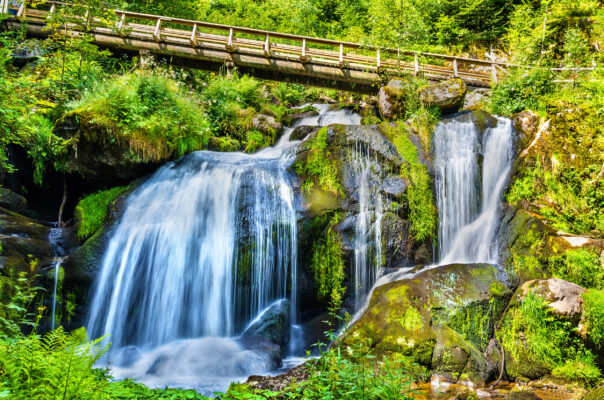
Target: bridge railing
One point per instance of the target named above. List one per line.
(305, 49)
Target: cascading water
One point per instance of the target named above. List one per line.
(468, 210)
(54, 238)
(203, 246)
(368, 240)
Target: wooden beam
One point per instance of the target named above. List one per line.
(194, 36)
(22, 13)
(229, 46)
(379, 59)
(157, 33)
(304, 58)
(416, 64)
(455, 74)
(341, 55)
(494, 72)
(53, 8)
(267, 46)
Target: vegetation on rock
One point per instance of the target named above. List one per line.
(91, 211)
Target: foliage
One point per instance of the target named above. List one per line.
(593, 312)
(579, 266)
(548, 340)
(150, 112)
(91, 211)
(319, 166)
(327, 263)
(420, 197)
(523, 90)
(16, 296)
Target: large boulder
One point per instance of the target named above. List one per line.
(266, 124)
(96, 158)
(443, 318)
(476, 99)
(562, 297)
(391, 99)
(272, 324)
(448, 96)
(12, 201)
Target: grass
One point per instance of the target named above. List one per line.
(593, 312)
(91, 211)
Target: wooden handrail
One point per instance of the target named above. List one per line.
(293, 37)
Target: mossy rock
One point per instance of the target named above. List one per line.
(595, 394)
(408, 317)
(448, 96)
(12, 201)
(391, 100)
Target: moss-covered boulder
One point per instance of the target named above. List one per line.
(272, 324)
(391, 100)
(12, 201)
(541, 335)
(23, 243)
(442, 317)
(448, 96)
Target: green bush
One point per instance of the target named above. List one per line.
(523, 90)
(155, 116)
(91, 211)
(579, 266)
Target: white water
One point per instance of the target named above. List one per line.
(468, 201)
(54, 238)
(203, 246)
(368, 224)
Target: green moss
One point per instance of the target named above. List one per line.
(538, 343)
(256, 140)
(420, 197)
(91, 211)
(593, 313)
(319, 166)
(327, 263)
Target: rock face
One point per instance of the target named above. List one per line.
(391, 102)
(266, 124)
(23, 241)
(12, 200)
(99, 160)
(448, 96)
(272, 324)
(563, 298)
(443, 318)
(475, 99)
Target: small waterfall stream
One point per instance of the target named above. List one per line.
(468, 201)
(203, 246)
(55, 237)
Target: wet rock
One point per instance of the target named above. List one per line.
(272, 324)
(266, 124)
(525, 394)
(302, 131)
(595, 394)
(264, 346)
(476, 99)
(397, 241)
(293, 118)
(448, 96)
(562, 297)
(217, 143)
(280, 382)
(97, 159)
(24, 241)
(394, 186)
(12, 201)
(391, 101)
(442, 318)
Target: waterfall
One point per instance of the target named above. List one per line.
(368, 238)
(203, 246)
(468, 200)
(54, 238)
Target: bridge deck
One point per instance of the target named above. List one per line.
(269, 55)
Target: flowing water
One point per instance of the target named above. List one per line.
(472, 170)
(54, 238)
(203, 246)
(468, 196)
(368, 224)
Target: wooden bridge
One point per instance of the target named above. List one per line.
(264, 54)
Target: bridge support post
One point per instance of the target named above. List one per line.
(416, 64)
(455, 74)
(194, 36)
(2, 6)
(494, 72)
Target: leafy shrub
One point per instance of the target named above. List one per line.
(523, 90)
(91, 211)
(149, 112)
(289, 94)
